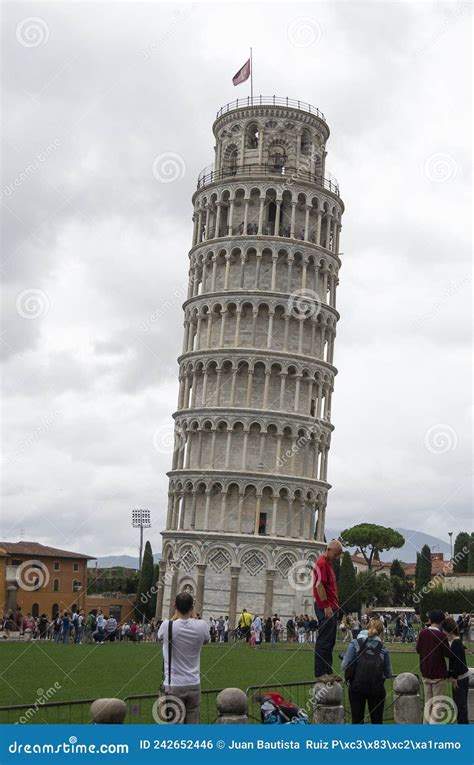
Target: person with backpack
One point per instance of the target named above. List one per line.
(77, 622)
(66, 627)
(244, 622)
(366, 666)
(99, 636)
(458, 671)
(90, 627)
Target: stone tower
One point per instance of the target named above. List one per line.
(248, 485)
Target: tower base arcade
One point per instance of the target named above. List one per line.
(227, 573)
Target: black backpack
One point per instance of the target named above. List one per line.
(368, 669)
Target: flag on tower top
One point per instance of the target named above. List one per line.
(243, 73)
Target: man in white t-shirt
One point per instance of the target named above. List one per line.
(183, 679)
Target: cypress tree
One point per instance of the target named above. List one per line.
(399, 583)
(156, 576)
(461, 553)
(470, 563)
(143, 606)
(423, 568)
(347, 585)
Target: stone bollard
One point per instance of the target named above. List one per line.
(328, 703)
(108, 711)
(232, 706)
(470, 697)
(407, 701)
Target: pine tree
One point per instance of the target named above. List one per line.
(347, 586)
(337, 568)
(461, 553)
(143, 605)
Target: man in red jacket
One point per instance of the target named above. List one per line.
(326, 607)
(433, 647)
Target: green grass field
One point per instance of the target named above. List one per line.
(125, 669)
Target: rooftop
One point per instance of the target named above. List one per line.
(35, 549)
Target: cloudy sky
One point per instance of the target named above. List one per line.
(94, 256)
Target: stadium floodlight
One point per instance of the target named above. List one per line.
(141, 520)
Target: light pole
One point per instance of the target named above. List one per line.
(450, 535)
(141, 520)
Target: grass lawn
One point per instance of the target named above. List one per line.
(126, 669)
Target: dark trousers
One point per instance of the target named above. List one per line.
(460, 699)
(325, 642)
(375, 704)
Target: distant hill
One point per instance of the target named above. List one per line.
(414, 541)
(127, 561)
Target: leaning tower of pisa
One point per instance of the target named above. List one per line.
(248, 484)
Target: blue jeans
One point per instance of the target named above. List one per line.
(66, 633)
(325, 642)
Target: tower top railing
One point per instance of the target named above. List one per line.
(286, 174)
(241, 103)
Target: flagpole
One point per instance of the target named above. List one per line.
(251, 76)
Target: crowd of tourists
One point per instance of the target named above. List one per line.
(78, 627)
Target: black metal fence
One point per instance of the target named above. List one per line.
(51, 712)
(141, 707)
(240, 103)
